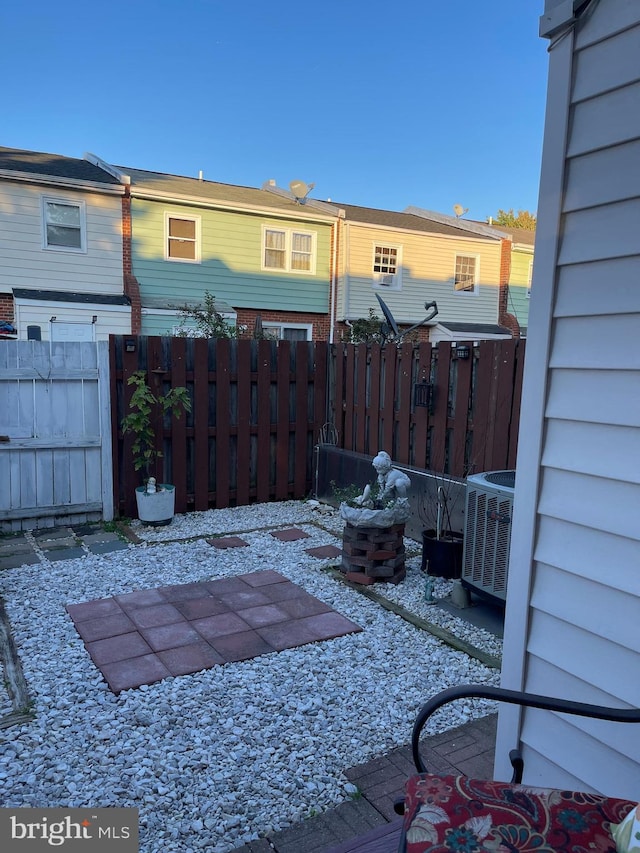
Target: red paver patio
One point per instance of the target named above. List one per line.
(145, 636)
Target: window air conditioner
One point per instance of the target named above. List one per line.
(385, 279)
(488, 512)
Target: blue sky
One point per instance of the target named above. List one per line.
(383, 104)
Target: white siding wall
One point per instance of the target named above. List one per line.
(111, 321)
(573, 614)
(428, 267)
(24, 263)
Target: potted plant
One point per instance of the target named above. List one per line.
(441, 545)
(155, 501)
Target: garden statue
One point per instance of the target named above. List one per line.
(373, 537)
(385, 503)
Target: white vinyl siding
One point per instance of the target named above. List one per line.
(572, 620)
(64, 224)
(24, 263)
(288, 250)
(182, 241)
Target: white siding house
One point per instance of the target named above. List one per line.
(573, 611)
(61, 247)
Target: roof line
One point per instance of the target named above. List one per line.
(464, 224)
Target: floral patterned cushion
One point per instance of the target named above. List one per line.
(454, 814)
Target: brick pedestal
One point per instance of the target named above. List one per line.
(371, 554)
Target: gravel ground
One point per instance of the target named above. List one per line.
(214, 759)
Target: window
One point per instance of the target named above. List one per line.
(386, 266)
(289, 251)
(466, 275)
(64, 225)
(288, 331)
(183, 238)
(529, 279)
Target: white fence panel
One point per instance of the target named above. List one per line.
(55, 441)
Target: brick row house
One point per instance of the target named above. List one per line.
(88, 249)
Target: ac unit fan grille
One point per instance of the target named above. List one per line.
(487, 541)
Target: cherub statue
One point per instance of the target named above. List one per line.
(392, 484)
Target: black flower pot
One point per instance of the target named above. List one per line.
(442, 557)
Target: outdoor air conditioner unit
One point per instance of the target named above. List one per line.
(488, 512)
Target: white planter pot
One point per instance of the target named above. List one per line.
(156, 508)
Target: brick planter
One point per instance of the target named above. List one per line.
(371, 554)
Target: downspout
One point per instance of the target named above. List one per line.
(334, 280)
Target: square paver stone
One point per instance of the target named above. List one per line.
(155, 614)
(134, 672)
(93, 609)
(170, 636)
(228, 542)
(122, 647)
(107, 547)
(242, 646)
(194, 657)
(54, 555)
(289, 535)
(105, 626)
(324, 551)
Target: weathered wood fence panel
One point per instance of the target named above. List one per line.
(54, 412)
(257, 411)
(427, 407)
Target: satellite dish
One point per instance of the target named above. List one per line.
(459, 210)
(389, 329)
(391, 325)
(300, 189)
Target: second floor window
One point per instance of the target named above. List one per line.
(288, 250)
(183, 243)
(386, 261)
(466, 274)
(64, 225)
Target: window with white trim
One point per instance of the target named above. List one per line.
(288, 331)
(288, 250)
(466, 274)
(386, 266)
(529, 279)
(182, 238)
(64, 224)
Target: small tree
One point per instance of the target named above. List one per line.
(209, 322)
(522, 219)
(145, 406)
(366, 330)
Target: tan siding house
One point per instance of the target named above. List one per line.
(408, 259)
(573, 610)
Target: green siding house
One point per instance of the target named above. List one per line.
(258, 252)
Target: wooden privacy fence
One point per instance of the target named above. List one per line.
(257, 410)
(426, 406)
(55, 448)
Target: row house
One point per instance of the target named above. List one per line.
(61, 248)
(89, 249)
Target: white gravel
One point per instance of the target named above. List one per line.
(214, 759)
